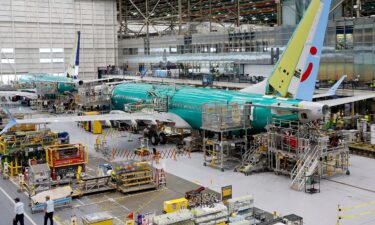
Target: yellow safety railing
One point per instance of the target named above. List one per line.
(354, 215)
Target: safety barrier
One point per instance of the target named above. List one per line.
(118, 153)
(110, 133)
(340, 211)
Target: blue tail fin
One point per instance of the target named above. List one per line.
(295, 73)
(73, 67)
(144, 73)
(11, 123)
(333, 89)
(310, 67)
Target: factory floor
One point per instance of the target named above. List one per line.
(271, 192)
(115, 203)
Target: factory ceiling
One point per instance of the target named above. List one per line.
(153, 17)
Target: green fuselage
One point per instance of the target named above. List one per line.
(64, 83)
(187, 101)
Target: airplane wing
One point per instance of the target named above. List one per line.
(123, 82)
(131, 118)
(342, 101)
(280, 106)
(332, 90)
(18, 93)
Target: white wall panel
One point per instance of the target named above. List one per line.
(28, 25)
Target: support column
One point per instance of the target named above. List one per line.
(210, 15)
(147, 23)
(279, 12)
(179, 16)
(120, 16)
(358, 8)
(238, 21)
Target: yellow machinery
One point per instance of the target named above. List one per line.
(66, 160)
(97, 219)
(32, 143)
(23, 127)
(175, 205)
(18, 127)
(26, 141)
(134, 176)
(94, 127)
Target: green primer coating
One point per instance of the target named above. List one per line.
(187, 101)
(62, 87)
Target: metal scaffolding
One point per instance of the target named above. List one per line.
(305, 153)
(224, 120)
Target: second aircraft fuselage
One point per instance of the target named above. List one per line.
(187, 102)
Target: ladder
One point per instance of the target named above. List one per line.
(306, 166)
(250, 154)
(256, 150)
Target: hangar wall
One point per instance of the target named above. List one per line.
(37, 35)
(349, 48)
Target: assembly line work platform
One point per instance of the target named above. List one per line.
(115, 203)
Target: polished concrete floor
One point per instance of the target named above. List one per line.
(271, 192)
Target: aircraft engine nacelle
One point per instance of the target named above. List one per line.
(314, 111)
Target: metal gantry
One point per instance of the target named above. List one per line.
(305, 153)
(152, 17)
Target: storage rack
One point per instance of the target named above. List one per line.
(135, 176)
(241, 206)
(210, 216)
(182, 217)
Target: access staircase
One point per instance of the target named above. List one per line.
(306, 166)
(252, 158)
(253, 154)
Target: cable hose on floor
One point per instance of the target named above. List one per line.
(350, 185)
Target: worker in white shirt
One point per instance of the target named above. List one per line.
(49, 211)
(18, 211)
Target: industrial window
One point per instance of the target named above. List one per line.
(130, 51)
(48, 60)
(58, 60)
(7, 50)
(44, 50)
(7, 61)
(344, 37)
(45, 60)
(172, 50)
(204, 49)
(48, 50)
(57, 50)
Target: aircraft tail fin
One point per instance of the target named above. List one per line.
(73, 67)
(259, 88)
(144, 72)
(299, 62)
(333, 89)
(11, 123)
